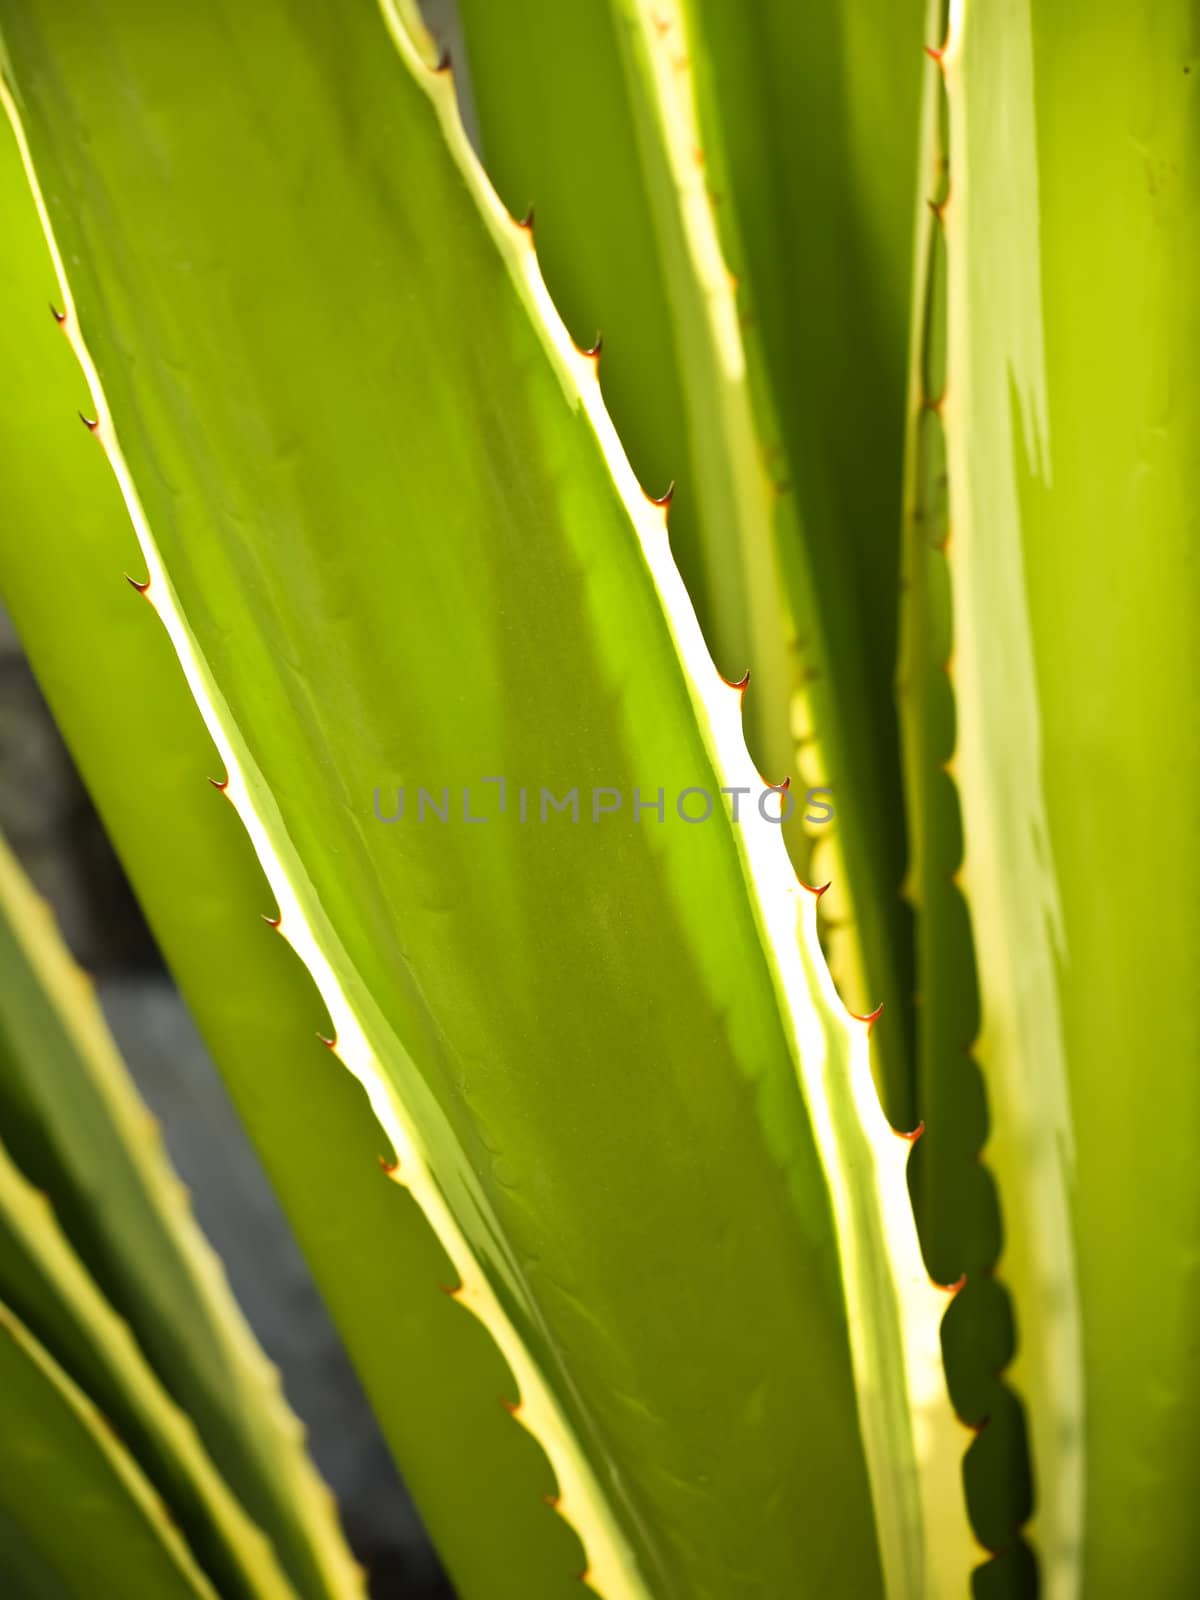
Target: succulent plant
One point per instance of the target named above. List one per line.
(588, 820)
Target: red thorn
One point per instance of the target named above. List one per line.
(140, 587)
(935, 55)
(951, 1289)
(526, 221)
(271, 922)
(59, 316)
(817, 889)
(388, 1168)
(90, 423)
(443, 60)
(594, 351)
(740, 684)
(220, 783)
(452, 1290)
(330, 1044)
(663, 500)
(511, 1406)
(871, 1018)
(909, 1138)
(784, 786)
(553, 1501)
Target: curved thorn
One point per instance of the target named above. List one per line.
(664, 499)
(59, 316)
(951, 1289)
(271, 922)
(388, 1168)
(871, 1018)
(330, 1044)
(915, 1134)
(220, 783)
(133, 582)
(90, 423)
(526, 221)
(443, 60)
(817, 889)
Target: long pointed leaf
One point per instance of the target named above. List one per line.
(107, 669)
(43, 1282)
(78, 1517)
(1072, 233)
(73, 1119)
(562, 1123)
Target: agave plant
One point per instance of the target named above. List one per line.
(593, 923)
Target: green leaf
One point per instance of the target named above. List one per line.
(636, 227)
(604, 140)
(78, 1516)
(432, 1375)
(1072, 408)
(809, 118)
(43, 1281)
(73, 1119)
(393, 538)
(953, 1189)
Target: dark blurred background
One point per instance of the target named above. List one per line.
(46, 815)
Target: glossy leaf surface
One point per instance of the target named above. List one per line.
(1071, 417)
(108, 671)
(599, 1112)
(79, 1518)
